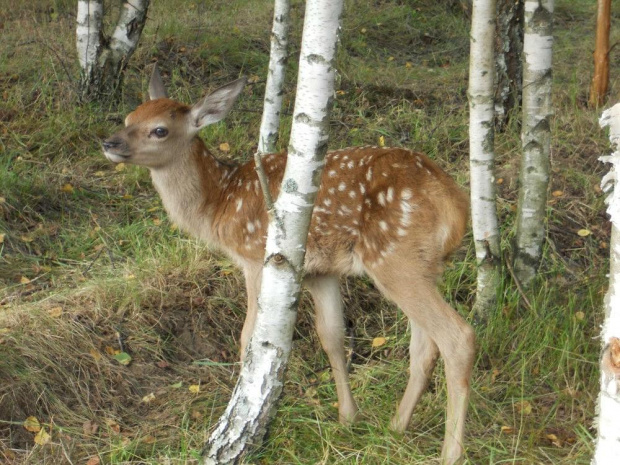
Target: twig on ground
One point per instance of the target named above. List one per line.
(519, 286)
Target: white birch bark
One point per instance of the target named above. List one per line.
(535, 138)
(607, 421)
(128, 28)
(270, 123)
(102, 64)
(88, 33)
(260, 382)
(482, 154)
(508, 63)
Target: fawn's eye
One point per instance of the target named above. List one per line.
(159, 132)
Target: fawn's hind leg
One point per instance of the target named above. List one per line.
(423, 353)
(420, 300)
(325, 291)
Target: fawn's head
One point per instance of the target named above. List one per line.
(161, 129)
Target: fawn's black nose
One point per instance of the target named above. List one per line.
(110, 144)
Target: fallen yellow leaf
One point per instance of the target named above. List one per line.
(507, 429)
(113, 425)
(408, 65)
(557, 193)
(26, 238)
(32, 424)
(381, 141)
(95, 354)
(24, 280)
(524, 407)
(67, 188)
(225, 147)
(42, 437)
(1, 238)
(554, 439)
(127, 197)
(194, 388)
(378, 341)
(584, 232)
(580, 315)
(55, 312)
(120, 167)
(111, 351)
(99, 173)
(148, 398)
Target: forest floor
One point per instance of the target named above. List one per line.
(90, 266)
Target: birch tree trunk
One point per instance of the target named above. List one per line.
(508, 63)
(102, 61)
(600, 80)
(482, 155)
(254, 398)
(270, 123)
(535, 138)
(607, 421)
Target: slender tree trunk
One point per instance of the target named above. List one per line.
(102, 61)
(88, 35)
(270, 123)
(608, 407)
(508, 62)
(260, 383)
(482, 155)
(535, 138)
(600, 80)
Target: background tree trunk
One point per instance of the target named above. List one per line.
(260, 383)
(608, 407)
(102, 60)
(270, 123)
(508, 61)
(600, 80)
(482, 155)
(535, 138)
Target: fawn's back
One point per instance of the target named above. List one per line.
(374, 205)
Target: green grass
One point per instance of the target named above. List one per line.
(104, 252)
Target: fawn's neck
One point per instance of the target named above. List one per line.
(190, 187)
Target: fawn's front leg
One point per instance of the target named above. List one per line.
(253, 278)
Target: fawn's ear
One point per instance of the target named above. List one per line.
(156, 85)
(215, 106)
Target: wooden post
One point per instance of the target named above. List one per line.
(600, 80)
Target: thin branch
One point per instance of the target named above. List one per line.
(264, 184)
(519, 286)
